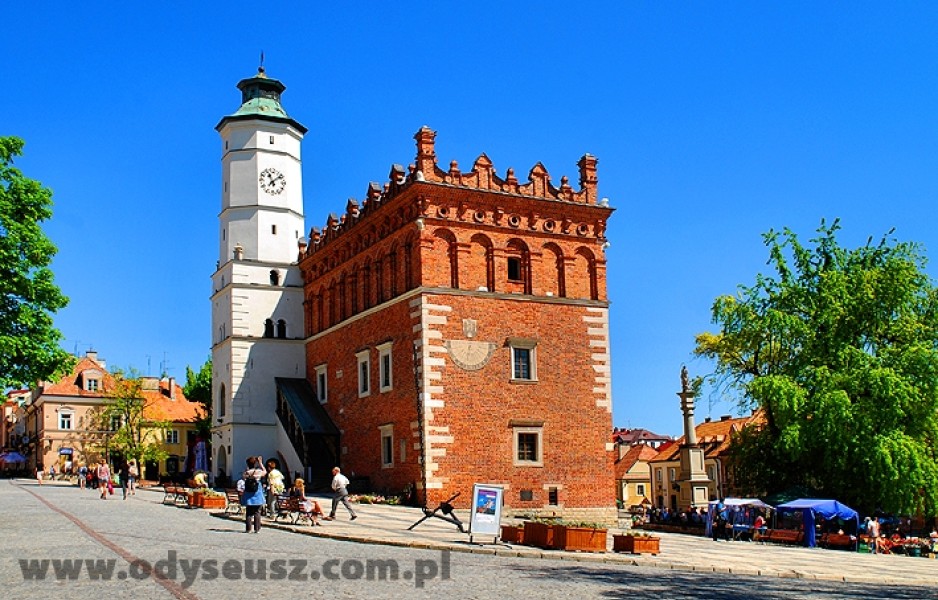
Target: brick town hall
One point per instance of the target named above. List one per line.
(449, 328)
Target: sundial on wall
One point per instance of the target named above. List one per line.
(470, 354)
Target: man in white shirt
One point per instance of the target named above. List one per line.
(340, 487)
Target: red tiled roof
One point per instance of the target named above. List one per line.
(160, 407)
(639, 452)
(713, 436)
(70, 385)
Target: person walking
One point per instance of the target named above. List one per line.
(340, 486)
(104, 478)
(252, 499)
(275, 486)
(82, 476)
(872, 530)
(39, 474)
(132, 474)
(124, 476)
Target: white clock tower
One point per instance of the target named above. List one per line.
(257, 288)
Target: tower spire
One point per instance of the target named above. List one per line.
(260, 69)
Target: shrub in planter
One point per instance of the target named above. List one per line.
(513, 534)
(636, 544)
(580, 537)
(539, 533)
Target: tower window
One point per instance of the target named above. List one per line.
(282, 329)
(523, 359)
(274, 277)
(514, 269)
(273, 229)
(271, 139)
(269, 328)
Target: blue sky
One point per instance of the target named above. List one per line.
(712, 122)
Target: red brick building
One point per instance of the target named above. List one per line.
(457, 332)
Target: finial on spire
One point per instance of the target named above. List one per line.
(260, 69)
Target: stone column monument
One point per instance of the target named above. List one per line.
(693, 480)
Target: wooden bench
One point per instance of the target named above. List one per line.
(284, 507)
(837, 540)
(176, 494)
(783, 536)
(234, 502)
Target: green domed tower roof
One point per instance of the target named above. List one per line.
(260, 99)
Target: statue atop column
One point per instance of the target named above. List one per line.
(685, 382)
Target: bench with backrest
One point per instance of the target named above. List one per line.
(783, 536)
(837, 540)
(174, 494)
(234, 502)
(284, 508)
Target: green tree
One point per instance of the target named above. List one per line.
(134, 431)
(29, 343)
(198, 388)
(840, 351)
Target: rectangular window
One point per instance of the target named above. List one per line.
(387, 446)
(514, 269)
(364, 373)
(523, 357)
(117, 421)
(658, 475)
(640, 489)
(271, 139)
(384, 367)
(273, 229)
(553, 496)
(528, 450)
(172, 436)
(65, 420)
(91, 385)
(322, 384)
(672, 474)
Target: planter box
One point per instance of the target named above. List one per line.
(513, 534)
(636, 545)
(540, 535)
(580, 539)
(193, 499)
(214, 502)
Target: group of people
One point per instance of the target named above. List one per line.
(260, 487)
(101, 477)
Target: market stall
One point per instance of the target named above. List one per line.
(812, 508)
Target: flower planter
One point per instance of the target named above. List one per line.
(213, 502)
(538, 534)
(513, 534)
(193, 499)
(580, 539)
(636, 544)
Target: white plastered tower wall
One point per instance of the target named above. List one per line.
(257, 288)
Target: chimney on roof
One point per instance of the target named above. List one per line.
(172, 388)
(726, 417)
(706, 419)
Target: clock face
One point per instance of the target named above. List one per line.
(272, 181)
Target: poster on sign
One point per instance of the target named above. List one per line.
(486, 509)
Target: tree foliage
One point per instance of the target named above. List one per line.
(840, 350)
(132, 430)
(198, 388)
(29, 343)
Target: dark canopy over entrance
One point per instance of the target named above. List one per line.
(313, 434)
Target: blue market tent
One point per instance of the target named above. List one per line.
(810, 507)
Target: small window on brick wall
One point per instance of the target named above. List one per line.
(553, 496)
(528, 446)
(514, 269)
(527, 495)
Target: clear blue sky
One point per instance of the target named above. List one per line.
(713, 122)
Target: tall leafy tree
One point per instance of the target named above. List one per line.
(839, 348)
(125, 420)
(198, 388)
(29, 343)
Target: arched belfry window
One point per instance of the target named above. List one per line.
(281, 329)
(222, 403)
(274, 277)
(269, 328)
